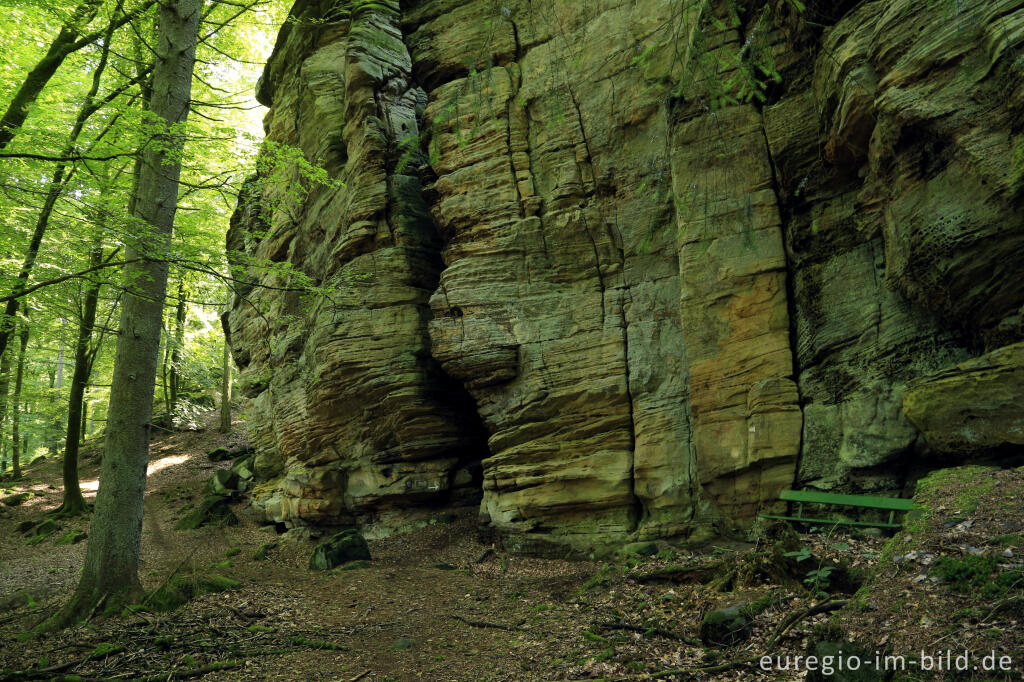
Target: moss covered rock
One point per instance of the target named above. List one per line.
(213, 509)
(224, 482)
(725, 627)
(181, 588)
(72, 537)
(219, 455)
(348, 545)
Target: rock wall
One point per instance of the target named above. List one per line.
(627, 269)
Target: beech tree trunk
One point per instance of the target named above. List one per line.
(74, 503)
(5, 388)
(16, 404)
(110, 575)
(176, 344)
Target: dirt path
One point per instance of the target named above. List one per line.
(425, 608)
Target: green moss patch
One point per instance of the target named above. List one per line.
(979, 574)
(180, 589)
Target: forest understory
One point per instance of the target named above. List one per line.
(436, 604)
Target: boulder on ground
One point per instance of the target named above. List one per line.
(725, 627)
(219, 455)
(15, 500)
(213, 509)
(224, 482)
(243, 469)
(348, 545)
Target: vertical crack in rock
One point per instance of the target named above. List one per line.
(791, 300)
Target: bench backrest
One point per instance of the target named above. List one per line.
(815, 497)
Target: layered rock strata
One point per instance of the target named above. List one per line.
(626, 269)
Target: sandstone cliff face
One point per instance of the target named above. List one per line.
(572, 267)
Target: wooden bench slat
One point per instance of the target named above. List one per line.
(866, 501)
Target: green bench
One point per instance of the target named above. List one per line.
(890, 504)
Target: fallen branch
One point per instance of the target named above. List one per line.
(194, 672)
(681, 574)
(480, 623)
(668, 634)
(39, 673)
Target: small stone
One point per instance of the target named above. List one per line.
(264, 549)
(401, 644)
(725, 627)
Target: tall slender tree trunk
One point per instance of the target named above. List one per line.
(168, 418)
(110, 575)
(178, 342)
(16, 403)
(84, 430)
(5, 388)
(225, 382)
(56, 427)
(74, 503)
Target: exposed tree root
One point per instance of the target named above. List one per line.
(481, 623)
(668, 634)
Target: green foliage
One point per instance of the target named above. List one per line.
(817, 578)
(217, 146)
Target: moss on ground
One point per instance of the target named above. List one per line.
(180, 589)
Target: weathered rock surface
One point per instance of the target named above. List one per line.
(568, 257)
(975, 406)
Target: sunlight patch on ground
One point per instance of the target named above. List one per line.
(93, 485)
(165, 462)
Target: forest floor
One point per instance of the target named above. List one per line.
(436, 604)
